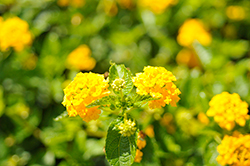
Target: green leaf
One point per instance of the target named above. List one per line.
(120, 71)
(142, 99)
(120, 150)
(203, 54)
(61, 116)
(103, 101)
(211, 154)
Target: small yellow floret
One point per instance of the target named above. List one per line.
(227, 109)
(234, 150)
(81, 59)
(203, 118)
(191, 30)
(15, 33)
(141, 142)
(158, 83)
(138, 156)
(81, 92)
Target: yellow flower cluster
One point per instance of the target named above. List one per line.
(157, 6)
(141, 143)
(227, 109)
(158, 83)
(82, 91)
(80, 59)
(234, 150)
(192, 30)
(74, 3)
(15, 33)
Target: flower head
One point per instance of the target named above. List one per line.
(127, 128)
(227, 109)
(80, 59)
(158, 83)
(15, 33)
(234, 150)
(192, 30)
(82, 91)
(157, 6)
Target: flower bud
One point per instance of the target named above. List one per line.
(118, 84)
(127, 128)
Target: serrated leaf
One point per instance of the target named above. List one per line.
(61, 116)
(120, 71)
(142, 99)
(107, 100)
(120, 150)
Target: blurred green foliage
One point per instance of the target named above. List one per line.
(32, 81)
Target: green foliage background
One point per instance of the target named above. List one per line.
(31, 99)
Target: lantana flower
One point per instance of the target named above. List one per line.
(14, 32)
(191, 30)
(227, 109)
(158, 83)
(234, 150)
(82, 91)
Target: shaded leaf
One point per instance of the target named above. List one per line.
(120, 150)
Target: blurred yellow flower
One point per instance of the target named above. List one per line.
(80, 59)
(15, 33)
(157, 6)
(235, 13)
(127, 4)
(74, 3)
(203, 118)
(234, 150)
(188, 57)
(29, 62)
(149, 131)
(158, 83)
(141, 142)
(168, 122)
(191, 30)
(110, 7)
(83, 90)
(138, 156)
(227, 109)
